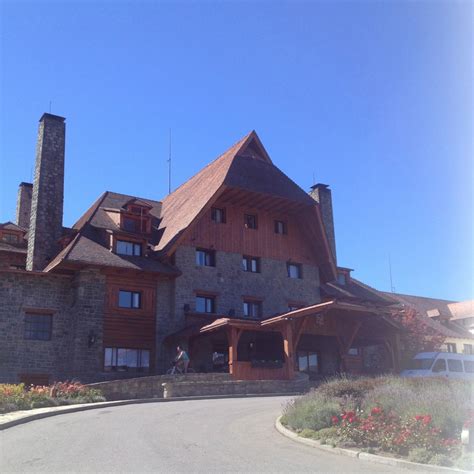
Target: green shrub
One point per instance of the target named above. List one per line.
(420, 455)
(307, 433)
(441, 460)
(312, 411)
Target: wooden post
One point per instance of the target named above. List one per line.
(233, 336)
(288, 349)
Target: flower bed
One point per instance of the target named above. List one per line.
(418, 419)
(19, 397)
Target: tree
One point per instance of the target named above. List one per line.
(418, 336)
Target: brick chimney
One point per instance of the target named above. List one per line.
(48, 193)
(322, 195)
(23, 205)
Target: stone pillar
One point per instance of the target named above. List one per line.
(322, 195)
(48, 193)
(23, 205)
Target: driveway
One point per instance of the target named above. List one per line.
(227, 435)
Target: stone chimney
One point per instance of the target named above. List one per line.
(23, 205)
(48, 193)
(322, 195)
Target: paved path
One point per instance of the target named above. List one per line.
(226, 435)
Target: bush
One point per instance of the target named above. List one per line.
(307, 433)
(447, 402)
(18, 397)
(441, 460)
(422, 455)
(419, 418)
(312, 411)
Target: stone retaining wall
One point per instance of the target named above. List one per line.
(150, 387)
(167, 386)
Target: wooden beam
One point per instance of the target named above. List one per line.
(288, 350)
(233, 336)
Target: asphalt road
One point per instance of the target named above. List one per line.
(227, 435)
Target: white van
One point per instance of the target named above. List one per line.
(441, 364)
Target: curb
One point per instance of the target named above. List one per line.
(14, 418)
(373, 458)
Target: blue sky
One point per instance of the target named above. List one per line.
(373, 98)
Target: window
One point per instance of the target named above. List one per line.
(280, 227)
(205, 258)
(125, 359)
(250, 221)
(205, 304)
(250, 264)
(218, 215)
(467, 349)
(308, 361)
(469, 366)
(130, 299)
(451, 347)
(294, 270)
(353, 351)
(454, 365)
(129, 248)
(341, 278)
(253, 309)
(135, 224)
(439, 366)
(12, 238)
(38, 326)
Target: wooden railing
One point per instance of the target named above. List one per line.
(245, 371)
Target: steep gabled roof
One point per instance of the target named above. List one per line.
(88, 245)
(246, 165)
(184, 204)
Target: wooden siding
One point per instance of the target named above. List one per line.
(232, 236)
(130, 328)
(245, 371)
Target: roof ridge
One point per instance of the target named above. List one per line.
(423, 297)
(222, 155)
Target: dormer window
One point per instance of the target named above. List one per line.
(136, 217)
(10, 238)
(342, 278)
(136, 224)
(124, 247)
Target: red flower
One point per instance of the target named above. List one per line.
(376, 411)
(335, 420)
(427, 419)
(418, 417)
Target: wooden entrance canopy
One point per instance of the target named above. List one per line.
(332, 318)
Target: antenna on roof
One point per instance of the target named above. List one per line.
(314, 179)
(169, 165)
(392, 288)
(50, 102)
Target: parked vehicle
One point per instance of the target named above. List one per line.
(441, 364)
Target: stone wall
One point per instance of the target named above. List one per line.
(87, 322)
(149, 387)
(231, 283)
(21, 292)
(166, 386)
